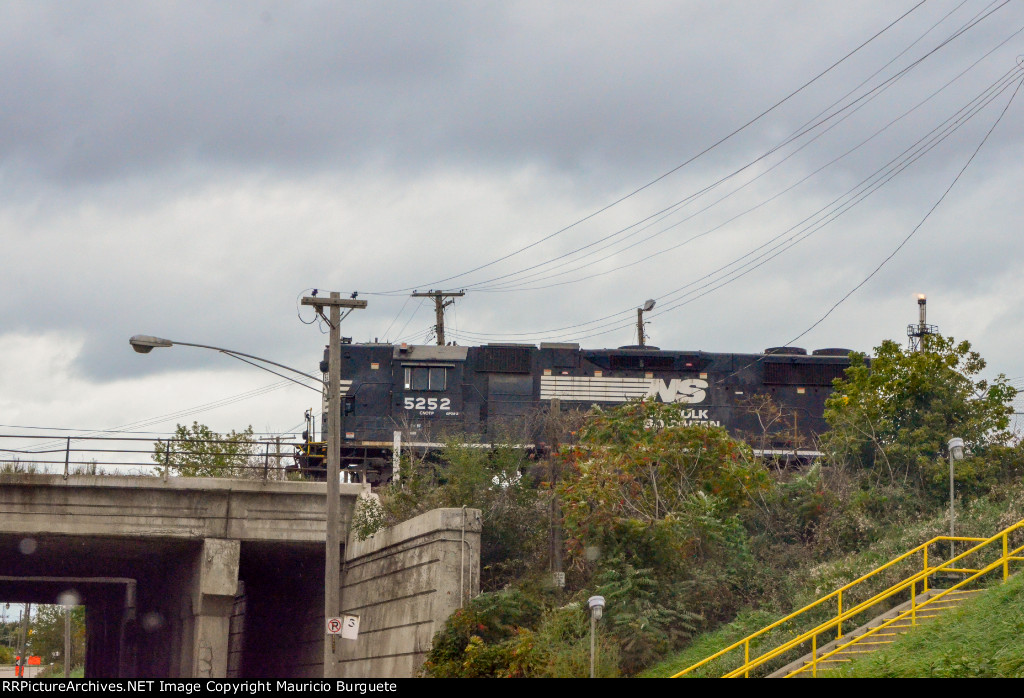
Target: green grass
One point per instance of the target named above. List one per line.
(981, 517)
(707, 644)
(981, 638)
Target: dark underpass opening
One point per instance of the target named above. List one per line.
(148, 612)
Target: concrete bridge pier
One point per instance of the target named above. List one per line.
(187, 624)
(214, 587)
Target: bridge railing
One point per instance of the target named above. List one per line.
(145, 455)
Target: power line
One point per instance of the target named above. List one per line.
(673, 170)
(803, 130)
(918, 226)
(866, 187)
(870, 95)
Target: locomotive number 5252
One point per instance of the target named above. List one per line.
(428, 403)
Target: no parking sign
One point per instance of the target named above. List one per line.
(346, 626)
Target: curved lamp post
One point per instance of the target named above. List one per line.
(332, 508)
(144, 343)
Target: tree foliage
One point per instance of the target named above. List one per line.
(47, 638)
(894, 417)
(641, 466)
(494, 480)
(198, 451)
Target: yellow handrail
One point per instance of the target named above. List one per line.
(912, 610)
(842, 615)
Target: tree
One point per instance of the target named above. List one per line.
(642, 465)
(649, 495)
(47, 640)
(198, 451)
(894, 417)
(494, 480)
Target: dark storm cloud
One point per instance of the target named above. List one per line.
(111, 90)
(134, 138)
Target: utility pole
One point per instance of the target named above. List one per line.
(332, 553)
(439, 305)
(22, 649)
(67, 642)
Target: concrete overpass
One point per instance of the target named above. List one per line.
(194, 577)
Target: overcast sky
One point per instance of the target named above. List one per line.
(190, 169)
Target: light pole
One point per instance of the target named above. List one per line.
(647, 306)
(596, 604)
(332, 552)
(956, 452)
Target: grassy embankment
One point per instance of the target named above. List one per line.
(980, 639)
(982, 517)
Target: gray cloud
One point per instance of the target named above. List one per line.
(187, 169)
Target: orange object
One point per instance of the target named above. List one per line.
(35, 661)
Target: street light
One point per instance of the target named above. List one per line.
(596, 604)
(647, 307)
(144, 343)
(332, 508)
(956, 452)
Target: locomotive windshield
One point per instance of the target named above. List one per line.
(432, 378)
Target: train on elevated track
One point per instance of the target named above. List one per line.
(399, 397)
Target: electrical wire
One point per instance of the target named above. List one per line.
(190, 411)
(909, 156)
(671, 171)
(977, 18)
(397, 315)
(800, 132)
(918, 226)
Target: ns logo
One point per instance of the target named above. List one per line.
(683, 390)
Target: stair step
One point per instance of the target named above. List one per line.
(884, 636)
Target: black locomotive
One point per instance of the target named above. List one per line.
(397, 396)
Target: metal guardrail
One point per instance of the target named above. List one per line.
(834, 625)
(123, 454)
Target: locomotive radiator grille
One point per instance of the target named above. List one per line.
(592, 389)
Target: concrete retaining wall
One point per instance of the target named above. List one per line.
(403, 583)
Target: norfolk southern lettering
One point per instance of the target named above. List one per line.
(415, 396)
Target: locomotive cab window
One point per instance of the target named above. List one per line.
(431, 378)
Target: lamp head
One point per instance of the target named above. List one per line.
(649, 305)
(596, 604)
(144, 343)
(956, 448)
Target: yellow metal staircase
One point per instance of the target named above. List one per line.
(897, 608)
